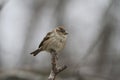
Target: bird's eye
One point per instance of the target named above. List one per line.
(62, 30)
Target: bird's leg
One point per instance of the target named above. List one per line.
(56, 56)
(53, 52)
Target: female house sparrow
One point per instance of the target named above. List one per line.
(53, 41)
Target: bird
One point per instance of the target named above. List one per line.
(54, 41)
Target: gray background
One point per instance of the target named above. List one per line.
(92, 51)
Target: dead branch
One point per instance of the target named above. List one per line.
(55, 69)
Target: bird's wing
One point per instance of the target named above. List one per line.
(45, 38)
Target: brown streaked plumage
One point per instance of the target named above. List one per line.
(53, 41)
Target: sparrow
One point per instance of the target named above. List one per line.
(54, 41)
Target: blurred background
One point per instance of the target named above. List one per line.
(92, 51)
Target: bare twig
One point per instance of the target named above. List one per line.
(55, 70)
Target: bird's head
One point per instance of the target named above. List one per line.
(61, 30)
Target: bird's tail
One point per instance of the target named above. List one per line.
(34, 53)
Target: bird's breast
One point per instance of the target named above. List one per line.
(56, 44)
